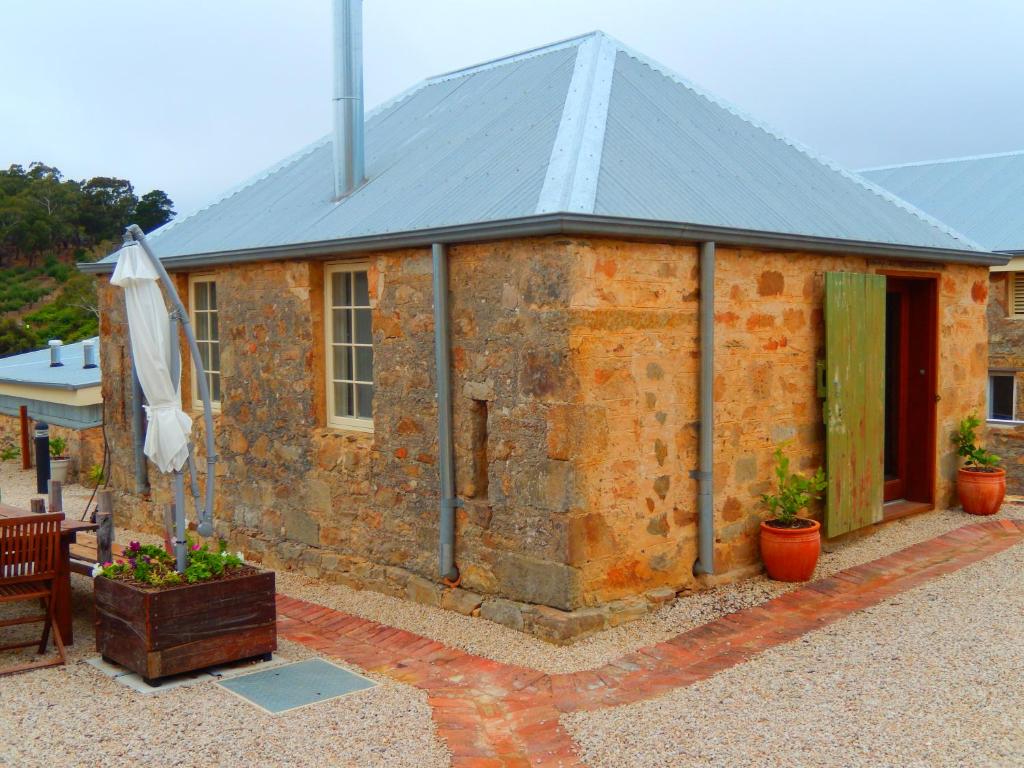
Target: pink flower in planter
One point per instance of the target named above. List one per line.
(196, 547)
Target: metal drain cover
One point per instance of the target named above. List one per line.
(290, 686)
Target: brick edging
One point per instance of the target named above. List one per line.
(494, 714)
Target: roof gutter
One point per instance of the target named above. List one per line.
(573, 224)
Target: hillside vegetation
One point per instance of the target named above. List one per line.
(47, 225)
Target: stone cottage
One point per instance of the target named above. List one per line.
(610, 289)
(981, 196)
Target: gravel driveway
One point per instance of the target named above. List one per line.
(930, 678)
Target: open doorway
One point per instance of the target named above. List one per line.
(911, 331)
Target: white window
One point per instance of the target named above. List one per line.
(1002, 396)
(349, 330)
(1015, 303)
(203, 291)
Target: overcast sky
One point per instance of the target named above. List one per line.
(193, 96)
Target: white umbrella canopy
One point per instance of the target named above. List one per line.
(169, 428)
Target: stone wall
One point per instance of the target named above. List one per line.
(575, 369)
(84, 446)
(1006, 353)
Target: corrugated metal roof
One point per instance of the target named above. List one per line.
(982, 196)
(584, 126)
(34, 368)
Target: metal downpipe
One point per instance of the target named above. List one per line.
(446, 568)
(705, 564)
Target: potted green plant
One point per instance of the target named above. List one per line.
(790, 544)
(980, 484)
(59, 460)
(158, 622)
(9, 452)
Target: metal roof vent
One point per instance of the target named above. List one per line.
(89, 354)
(349, 163)
(55, 345)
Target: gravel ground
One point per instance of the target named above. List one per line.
(75, 716)
(933, 677)
(501, 644)
(496, 642)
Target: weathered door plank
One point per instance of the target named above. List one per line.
(854, 400)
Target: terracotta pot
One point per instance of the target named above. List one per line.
(981, 493)
(790, 554)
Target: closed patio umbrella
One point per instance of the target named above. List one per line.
(154, 341)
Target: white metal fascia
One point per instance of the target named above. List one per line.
(575, 163)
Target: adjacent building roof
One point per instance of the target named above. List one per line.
(982, 196)
(583, 135)
(33, 369)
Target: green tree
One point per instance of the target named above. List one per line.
(154, 209)
(15, 337)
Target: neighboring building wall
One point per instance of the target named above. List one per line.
(575, 371)
(1006, 353)
(84, 446)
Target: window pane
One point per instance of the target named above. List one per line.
(202, 321)
(342, 362)
(215, 357)
(364, 326)
(364, 363)
(1001, 405)
(214, 327)
(215, 387)
(213, 295)
(362, 293)
(204, 354)
(365, 400)
(342, 326)
(337, 281)
(201, 298)
(343, 400)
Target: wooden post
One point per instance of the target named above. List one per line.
(56, 497)
(38, 506)
(105, 532)
(26, 444)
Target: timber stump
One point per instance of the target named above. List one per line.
(173, 630)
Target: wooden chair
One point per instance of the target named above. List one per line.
(29, 558)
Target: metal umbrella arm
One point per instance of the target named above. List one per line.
(205, 513)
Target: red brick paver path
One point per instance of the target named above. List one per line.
(494, 714)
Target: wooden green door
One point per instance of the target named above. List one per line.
(854, 390)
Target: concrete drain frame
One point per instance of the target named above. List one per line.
(287, 687)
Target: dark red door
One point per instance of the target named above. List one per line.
(911, 317)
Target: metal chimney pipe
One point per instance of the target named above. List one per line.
(349, 162)
(89, 354)
(55, 345)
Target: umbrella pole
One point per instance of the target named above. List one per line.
(180, 553)
(206, 516)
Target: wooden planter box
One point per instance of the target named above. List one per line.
(187, 627)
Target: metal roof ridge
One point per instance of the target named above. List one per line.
(718, 101)
(529, 53)
(941, 161)
(575, 162)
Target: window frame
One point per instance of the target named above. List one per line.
(193, 280)
(350, 423)
(988, 405)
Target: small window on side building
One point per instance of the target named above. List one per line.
(1015, 302)
(205, 323)
(1002, 391)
